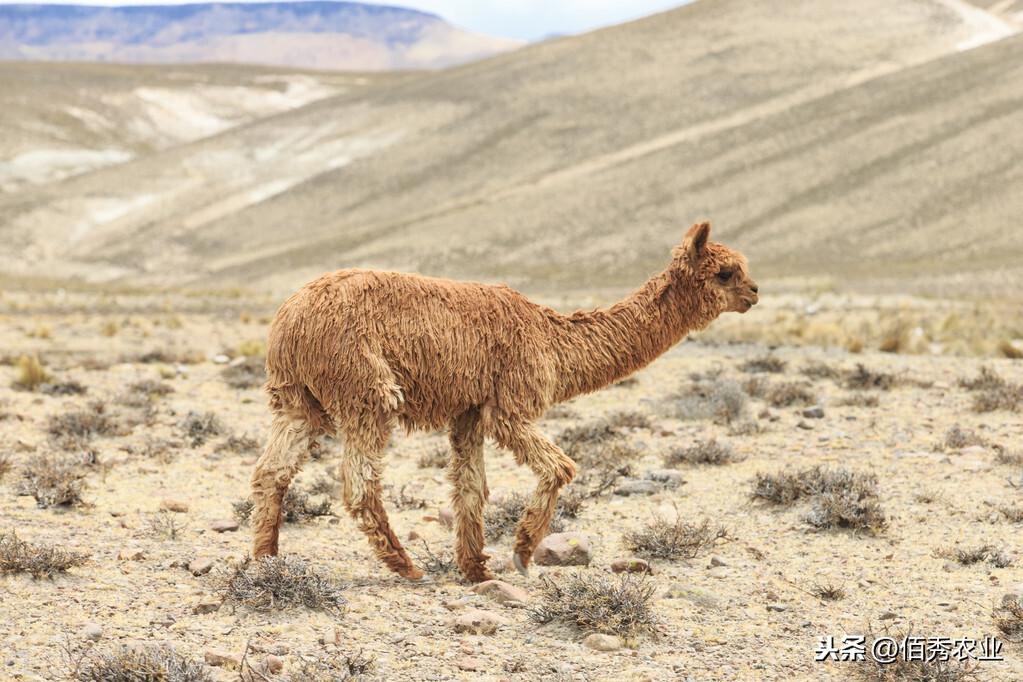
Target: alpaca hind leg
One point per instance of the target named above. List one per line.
(360, 478)
(287, 448)
(553, 469)
(468, 495)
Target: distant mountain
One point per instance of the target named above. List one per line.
(325, 35)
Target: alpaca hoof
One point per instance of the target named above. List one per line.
(412, 573)
(519, 565)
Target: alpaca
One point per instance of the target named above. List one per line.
(357, 352)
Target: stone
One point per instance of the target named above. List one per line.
(888, 615)
(503, 593)
(460, 603)
(717, 561)
(630, 565)
(220, 359)
(274, 664)
(563, 549)
(92, 631)
(669, 478)
(176, 506)
(224, 525)
(693, 595)
(471, 664)
(803, 425)
(222, 659)
(476, 622)
(131, 554)
(815, 412)
(777, 607)
(634, 486)
(200, 566)
(600, 642)
(207, 605)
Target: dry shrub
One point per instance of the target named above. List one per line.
(993, 392)
(441, 564)
(975, 555)
(840, 498)
(766, 364)
(906, 668)
(820, 370)
(721, 400)
(405, 499)
(53, 481)
(38, 560)
(31, 373)
(827, 592)
(702, 452)
(142, 393)
(673, 540)
(1008, 617)
(276, 583)
(1009, 457)
(783, 394)
(602, 452)
(198, 428)
(502, 515)
(164, 525)
(239, 444)
(628, 419)
(74, 430)
(862, 378)
(957, 438)
(619, 605)
(333, 666)
(63, 388)
(250, 373)
(859, 399)
(297, 506)
(434, 458)
(138, 664)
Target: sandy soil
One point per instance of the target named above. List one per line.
(716, 620)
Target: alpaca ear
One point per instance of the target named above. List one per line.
(695, 242)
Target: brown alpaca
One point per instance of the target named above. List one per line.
(356, 352)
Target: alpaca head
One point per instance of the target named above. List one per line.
(719, 274)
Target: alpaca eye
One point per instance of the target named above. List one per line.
(724, 275)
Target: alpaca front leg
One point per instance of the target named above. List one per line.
(553, 469)
(469, 494)
(287, 448)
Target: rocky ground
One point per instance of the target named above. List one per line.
(165, 460)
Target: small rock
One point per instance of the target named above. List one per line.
(207, 605)
(460, 603)
(717, 561)
(131, 554)
(224, 525)
(220, 359)
(632, 565)
(477, 622)
(777, 607)
(669, 478)
(815, 412)
(222, 659)
(633, 486)
(719, 572)
(694, 595)
(176, 506)
(803, 425)
(92, 631)
(503, 593)
(471, 664)
(200, 566)
(563, 549)
(274, 664)
(601, 642)
(974, 450)
(888, 615)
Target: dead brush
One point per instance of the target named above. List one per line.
(784, 394)
(249, 373)
(629, 419)
(820, 370)
(38, 560)
(673, 540)
(63, 388)
(134, 664)
(975, 555)
(74, 430)
(722, 401)
(859, 399)
(164, 525)
(852, 509)
(501, 516)
(198, 428)
(993, 392)
(827, 591)
(957, 438)
(434, 563)
(238, 444)
(143, 393)
(296, 507)
(906, 668)
(1008, 617)
(405, 499)
(840, 498)
(862, 378)
(702, 452)
(54, 481)
(595, 602)
(277, 583)
(333, 665)
(765, 364)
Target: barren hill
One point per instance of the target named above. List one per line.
(824, 138)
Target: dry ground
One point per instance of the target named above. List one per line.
(715, 620)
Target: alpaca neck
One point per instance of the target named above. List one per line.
(600, 347)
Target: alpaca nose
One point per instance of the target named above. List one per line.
(755, 288)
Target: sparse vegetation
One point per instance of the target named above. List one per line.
(783, 394)
(827, 592)
(239, 444)
(993, 392)
(74, 430)
(405, 499)
(501, 516)
(296, 507)
(1008, 617)
(820, 370)
(619, 605)
(673, 540)
(434, 563)
(859, 399)
(5, 465)
(602, 451)
(164, 525)
(957, 438)
(702, 452)
(198, 428)
(334, 666)
(31, 373)
(138, 664)
(720, 400)
(974, 555)
(862, 378)
(250, 373)
(434, 458)
(905, 668)
(275, 583)
(765, 364)
(63, 388)
(840, 498)
(629, 419)
(53, 481)
(38, 560)
(142, 393)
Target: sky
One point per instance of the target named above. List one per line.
(521, 19)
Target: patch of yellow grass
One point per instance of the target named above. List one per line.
(30, 373)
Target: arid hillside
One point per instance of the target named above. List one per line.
(871, 145)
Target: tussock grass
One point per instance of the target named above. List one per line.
(820, 370)
(859, 399)
(702, 452)
(621, 605)
(38, 560)
(239, 444)
(629, 419)
(54, 481)
(603, 453)
(277, 583)
(30, 373)
(662, 539)
(143, 393)
(839, 498)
